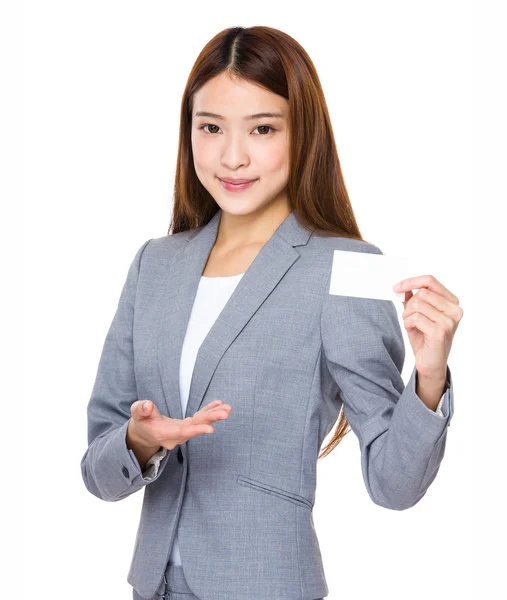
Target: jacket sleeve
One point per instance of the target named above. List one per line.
(110, 470)
(401, 440)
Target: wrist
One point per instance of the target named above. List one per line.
(135, 442)
(430, 390)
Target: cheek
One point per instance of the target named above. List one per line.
(275, 161)
(204, 155)
(275, 156)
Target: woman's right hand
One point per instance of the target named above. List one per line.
(150, 429)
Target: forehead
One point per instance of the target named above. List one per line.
(235, 98)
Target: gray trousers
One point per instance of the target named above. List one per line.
(176, 589)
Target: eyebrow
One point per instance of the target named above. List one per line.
(269, 115)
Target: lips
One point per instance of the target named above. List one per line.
(236, 187)
(236, 181)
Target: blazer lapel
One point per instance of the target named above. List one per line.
(184, 274)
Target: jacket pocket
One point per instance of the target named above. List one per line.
(269, 489)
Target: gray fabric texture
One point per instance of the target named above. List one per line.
(287, 356)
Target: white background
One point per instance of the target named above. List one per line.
(417, 98)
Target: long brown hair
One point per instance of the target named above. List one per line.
(316, 190)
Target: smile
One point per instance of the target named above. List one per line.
(232, 187)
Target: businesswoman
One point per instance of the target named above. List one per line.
(228, 361)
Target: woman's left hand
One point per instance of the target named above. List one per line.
(431, 317)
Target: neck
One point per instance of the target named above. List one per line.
(253, 228)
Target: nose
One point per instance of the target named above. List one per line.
(234, 153)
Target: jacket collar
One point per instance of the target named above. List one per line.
(184, 271)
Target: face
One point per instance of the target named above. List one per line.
(232, 145)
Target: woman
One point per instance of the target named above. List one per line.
(228, 318)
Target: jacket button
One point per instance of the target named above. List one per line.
(180, 455)
(125, 471)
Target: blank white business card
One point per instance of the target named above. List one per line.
(366, 275)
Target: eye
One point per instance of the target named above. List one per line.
(212, 132)
(267, 127)
(208, 125)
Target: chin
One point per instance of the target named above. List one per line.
(237, 208)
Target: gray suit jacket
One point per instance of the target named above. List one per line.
(285, 354)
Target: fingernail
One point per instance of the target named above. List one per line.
(398, 286)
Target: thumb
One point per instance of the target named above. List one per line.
(146, 408)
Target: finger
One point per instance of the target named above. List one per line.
(211, 405)
(191, 430)
(426, 281)
(143, 409)
(416, 308)
(210, 416)
(425, 298)
(185, 432)
(420, 322)
(213, 409)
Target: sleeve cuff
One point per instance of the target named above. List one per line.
(153, 465)
(415, 411)
(440, 411)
